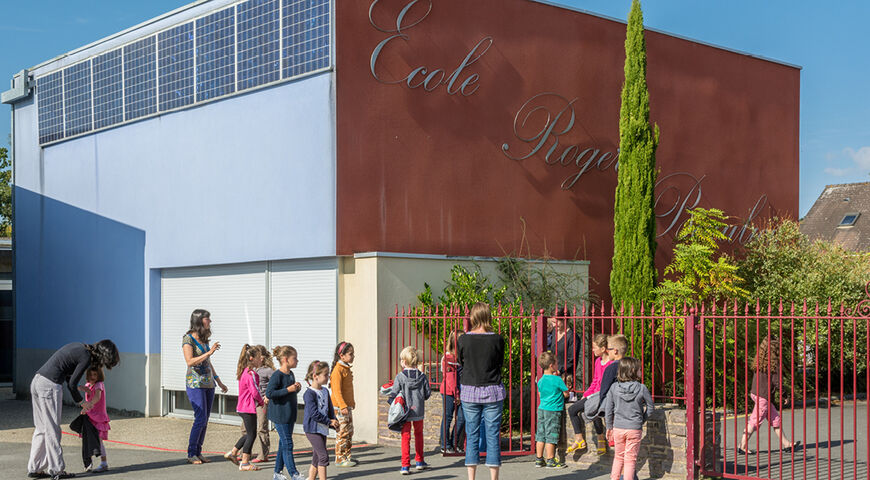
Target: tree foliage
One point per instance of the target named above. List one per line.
(697, 275)
(633, 275)
(5, 194)
(781, 263)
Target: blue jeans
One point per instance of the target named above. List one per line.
(284, 455)
(451, 438)
(487, 416)
(201, 399)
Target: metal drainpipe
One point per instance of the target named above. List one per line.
(12, 220)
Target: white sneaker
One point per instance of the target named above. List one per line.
(102, 468)
(298, 476)
(279, 476)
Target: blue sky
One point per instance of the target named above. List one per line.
(827, 39)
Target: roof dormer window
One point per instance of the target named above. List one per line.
(849, 219)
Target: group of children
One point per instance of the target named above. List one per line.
(276, 399)
(615, 400)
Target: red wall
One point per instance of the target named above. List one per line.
(425, 171)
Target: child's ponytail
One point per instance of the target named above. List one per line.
(315, 368)
(248, 352)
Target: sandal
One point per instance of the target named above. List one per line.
(745, 452)
(794, 446)
(203, 459)
(247, 467)
(577, 445)
(194, 460)
(231, 457)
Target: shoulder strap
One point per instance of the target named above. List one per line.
(199, 345)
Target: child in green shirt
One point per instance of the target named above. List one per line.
(552, 391)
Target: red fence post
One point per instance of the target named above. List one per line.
(692, 404)
(539, 343)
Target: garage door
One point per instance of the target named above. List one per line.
(291, 302)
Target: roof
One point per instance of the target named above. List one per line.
(833, 206)
(111, 41)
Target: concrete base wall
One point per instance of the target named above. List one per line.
(125, 384)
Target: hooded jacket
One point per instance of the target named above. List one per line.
(414, 386)
(628, 405)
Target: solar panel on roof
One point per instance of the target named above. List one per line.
(305, 36)
(258, 43)
(49, 98)
(215, 54)
(140, 78)
(77, 98)
(175, 58)
(108, 91)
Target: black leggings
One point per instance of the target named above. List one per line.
(247, 440)
(575, 413)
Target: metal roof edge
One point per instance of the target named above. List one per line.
(670, 34)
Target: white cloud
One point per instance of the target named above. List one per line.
(849, 161)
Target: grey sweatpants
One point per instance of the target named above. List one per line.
(45, 452)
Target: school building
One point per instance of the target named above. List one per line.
(299, 167)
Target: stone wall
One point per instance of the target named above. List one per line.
(662, 452)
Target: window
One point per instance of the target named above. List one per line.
(258, 42)
(140, 78)
(215, 54)
(849, 219)
(108, 100)
(49, 93)
(175, 53)
(77, 98)
(306, 36)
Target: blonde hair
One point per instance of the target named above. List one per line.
(452, 342)
(600, 340)
(267, 356)
(282, 351)
(620, 343)
(410, 356)
(480, 316)
(546, 360)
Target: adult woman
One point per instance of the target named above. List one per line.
(200, 380)
(563, 342)
(482, 393)
(67, 364)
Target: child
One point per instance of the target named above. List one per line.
(552, 391)
(249, 399)
(765, 382)
(451, 440)
(281, 392)
(575, 411)
(319, 416)
(627, 406)
(341, 382)
(617, 345)
(413, 384)
(265, 373)
(95, 395)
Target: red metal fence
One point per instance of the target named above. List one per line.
(704, 359)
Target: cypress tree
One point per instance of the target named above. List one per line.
(633, 274)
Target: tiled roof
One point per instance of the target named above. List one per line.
(835, 203)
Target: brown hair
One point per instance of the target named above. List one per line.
(619, 343)
(315, 368)
(197, 327)
(600, 340)
(452, 342)
(767, 356)
(480, 316)
(249, 352)
(546, 360)
(340, 349)
(282, 351)
(99, 372)
(629, 370)
(267, 356)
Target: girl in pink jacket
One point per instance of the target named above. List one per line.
(249, 400)
(575, 411)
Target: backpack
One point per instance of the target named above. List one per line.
(397, 415)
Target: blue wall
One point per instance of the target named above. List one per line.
(79, 276)
(247, 178)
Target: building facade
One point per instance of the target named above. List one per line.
(259, 158)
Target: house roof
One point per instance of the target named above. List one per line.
(837, 203)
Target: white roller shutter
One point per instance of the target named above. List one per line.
(303, 294)
(235, 295)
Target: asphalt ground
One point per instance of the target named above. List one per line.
(155, 449)
(827, 450)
